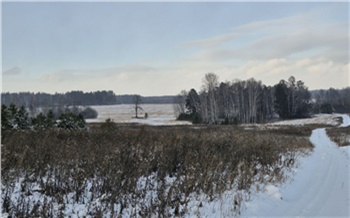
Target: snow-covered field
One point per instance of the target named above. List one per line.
(164, 114)
(158, 114)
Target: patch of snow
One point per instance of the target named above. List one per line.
(224, 206)
(161, 121)
(273, 191)
(346, 150)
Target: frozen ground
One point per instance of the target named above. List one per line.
(158, 114)
(320, 186)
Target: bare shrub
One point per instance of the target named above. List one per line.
(340, 135)
(139, 171)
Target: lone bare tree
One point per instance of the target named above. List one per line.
(137, 103)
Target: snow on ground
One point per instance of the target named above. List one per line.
(346, 150)
(164, 114)
(320, 187)
(346, 120)
(328, 119)
(158, 114)
(159, 121)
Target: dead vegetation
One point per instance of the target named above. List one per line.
(341, 136)
(139, 171)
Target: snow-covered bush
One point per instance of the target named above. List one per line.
(71, 121)
(14, 118)
(89, 113)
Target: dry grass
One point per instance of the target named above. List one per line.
(339, 120)
(340, 135)
(108, 162)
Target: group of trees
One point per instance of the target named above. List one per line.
(86, 112)
(292, 99)
(16, 118)
(331, 100)
(35, 100)
(247, 101)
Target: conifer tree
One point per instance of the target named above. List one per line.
(5, 117)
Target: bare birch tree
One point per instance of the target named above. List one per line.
(210, 82)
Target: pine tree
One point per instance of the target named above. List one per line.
(12, 110)
(22, 118)
(292, 99)
(39, 122)
(5, 118)
(50, 120)
(281, 100)
(71, 121)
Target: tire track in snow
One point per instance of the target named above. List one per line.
(319, 188)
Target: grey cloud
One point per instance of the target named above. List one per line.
(332, 44)
(67, 75)
(125, 68)
(136, 68)
(58, 77)
(215, 41)
(243, 30)
(280, 38)
(11, 72)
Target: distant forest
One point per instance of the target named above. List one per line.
(336, 99)
(250, 101)
(75, 98)
(238, 101)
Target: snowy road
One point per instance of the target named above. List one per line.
(320, 187)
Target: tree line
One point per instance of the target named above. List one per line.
(331, 100)
(34, 100)
(18, 118)
(40, 99)
(250, 101)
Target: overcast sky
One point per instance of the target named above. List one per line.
(163, 48)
